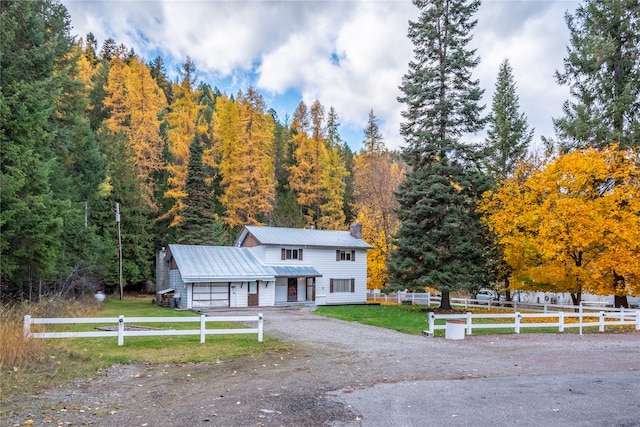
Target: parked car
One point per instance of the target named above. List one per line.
(485, 295)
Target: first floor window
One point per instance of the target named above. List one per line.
(342, 285)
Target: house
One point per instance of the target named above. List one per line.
(270, 266)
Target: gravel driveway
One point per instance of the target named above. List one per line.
(346, 374)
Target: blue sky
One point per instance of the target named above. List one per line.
(347, 54)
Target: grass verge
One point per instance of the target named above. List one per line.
(413, 319)
(32, 365)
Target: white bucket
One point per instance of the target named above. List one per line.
(454, 329)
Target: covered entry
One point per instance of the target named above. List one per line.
(295, 284)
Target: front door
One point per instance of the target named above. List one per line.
(292, 289)
(253, 294)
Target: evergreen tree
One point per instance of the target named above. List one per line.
(345, 154)
(200, 226)
(159, 73)
(602, 69)
(49, 162)
(373, 142)
(508, 136)
(440, 242)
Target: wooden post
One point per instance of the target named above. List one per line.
(203, 326)
(469, 321)
(561, 321)
(517, 322)
(601, 329)
(260, 326)
(27, 326)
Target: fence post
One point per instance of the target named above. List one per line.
(428, 299)
(637, 320)
(601, 329)
(580, 313)
(203, 327)
(517, 322)
(432, 323)
(121, 329)
(260, 326)
(469, 323)
(561, 321)
(27, 326)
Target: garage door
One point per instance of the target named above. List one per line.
(210, 295)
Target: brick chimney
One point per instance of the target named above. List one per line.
(356, 230)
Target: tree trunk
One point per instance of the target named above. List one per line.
(576, 298)
(620, 301)
(620, 286)
(445, 303)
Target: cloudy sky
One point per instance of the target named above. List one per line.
(347, 54)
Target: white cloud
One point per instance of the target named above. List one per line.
(348, 54)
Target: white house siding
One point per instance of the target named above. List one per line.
(266, 294)
(324, 260)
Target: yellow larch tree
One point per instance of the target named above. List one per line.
(332, 190)
(572, 224)
(305, 174)
(376, 176)
(135, 103)
(244, 135)
(182, 121)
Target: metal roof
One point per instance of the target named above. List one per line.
(302, 237)
(218, 264)
(295, 271)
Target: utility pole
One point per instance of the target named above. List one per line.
(119, 250)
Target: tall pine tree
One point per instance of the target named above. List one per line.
(602, 69)
(508, 137)
(440, 242)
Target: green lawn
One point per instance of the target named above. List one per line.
(406, 319)
(413, 319)
(66, 359)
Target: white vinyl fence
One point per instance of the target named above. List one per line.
(121, 331)
(601, 319)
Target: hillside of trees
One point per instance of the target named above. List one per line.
(88, 125)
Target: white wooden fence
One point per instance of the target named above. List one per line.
(122, 332)
(429, 299)
(514, 320)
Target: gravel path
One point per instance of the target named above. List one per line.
(347, 374)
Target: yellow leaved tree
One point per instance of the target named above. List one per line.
(572, 224)
(377, 174)
(244, 134)
(183, 124)
(135, 103)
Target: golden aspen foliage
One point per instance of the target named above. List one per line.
(244, 145)
(571, 224)
(376, 176)
(182, 121)
(135, 103)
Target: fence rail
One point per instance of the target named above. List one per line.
(411, 298)
(514, 320)
(122, 332)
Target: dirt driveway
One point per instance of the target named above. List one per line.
(346, 374)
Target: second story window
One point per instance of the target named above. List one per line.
(345, 255)
(291, 254)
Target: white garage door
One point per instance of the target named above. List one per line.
(210, 295)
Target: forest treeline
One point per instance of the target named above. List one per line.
(86, 126)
